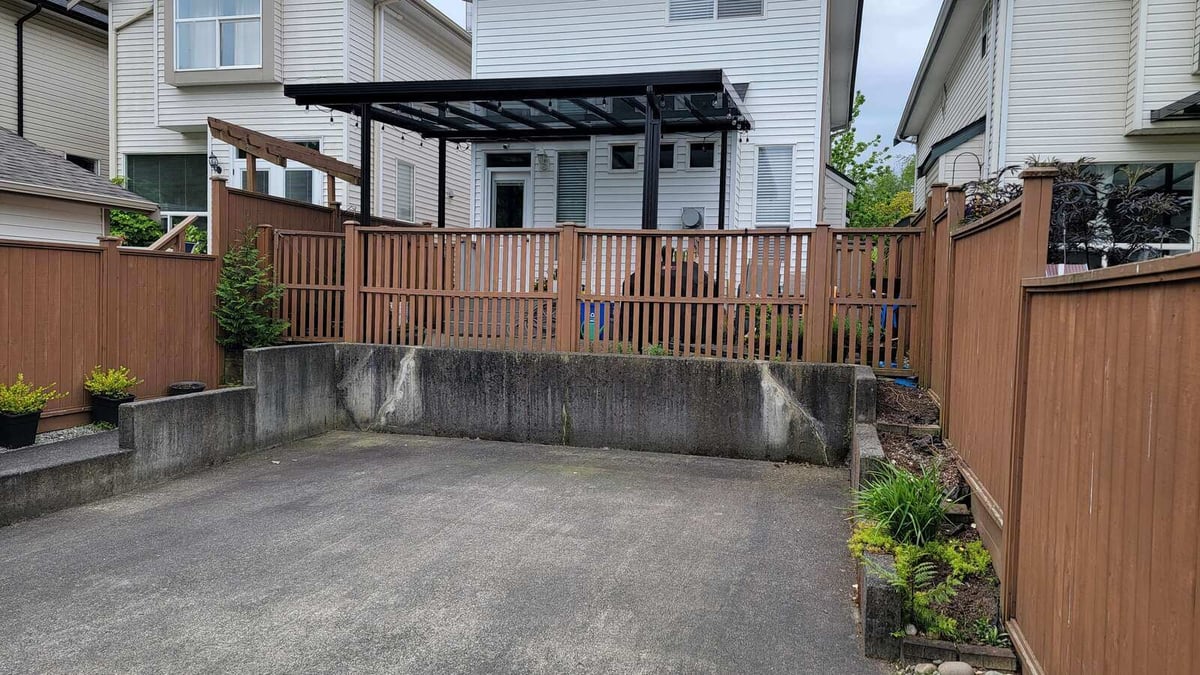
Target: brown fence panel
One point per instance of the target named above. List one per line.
(492, 289)
(167, 331)
(311, 267)
(236, 212)
(50, 304)
(70, 308)
(1107, 554)
(876, 280)
(732, 294)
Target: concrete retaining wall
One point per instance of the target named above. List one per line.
(776, 411)
(295, 392)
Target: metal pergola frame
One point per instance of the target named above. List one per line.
(543, 108)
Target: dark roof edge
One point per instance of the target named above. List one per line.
(90, 18)
(841, 175)
(1165, 113)
(951, 142)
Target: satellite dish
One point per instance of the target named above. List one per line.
(693, 218)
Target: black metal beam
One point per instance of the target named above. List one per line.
(468, 115)
(687, 102)
(599, 112)
(519, 119)
(576, 134)
(366, 112)
(436, 119)
(496, 89)
(441, 182)
(650, 168)
(635, 104)
(547, 110)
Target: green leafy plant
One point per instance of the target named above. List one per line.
(198, 237)
(111, 383)
(988, 633)
(136, 229)
(247, 299)
(869, 536)
(22, 398)
(656, 350)
(909, 507)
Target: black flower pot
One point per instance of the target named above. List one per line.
(104, 408)
(18, 431)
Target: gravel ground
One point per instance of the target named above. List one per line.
(67, 434)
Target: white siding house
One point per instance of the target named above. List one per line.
(174, 69)
(65, 83)
(793, 59)
(1114, 80)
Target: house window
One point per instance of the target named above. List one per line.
(702, 155)
(297, 182)
(211, 34)
(666, 156)
(690, 10)
(624, 157)
(773, 190)
(86, 163)
(572, 187)
(177, 183)
(406, 191)
(508, 160)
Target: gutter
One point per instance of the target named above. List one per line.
(37, 9)
(939, 33)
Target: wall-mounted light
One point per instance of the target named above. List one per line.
(542, 161)
(214, 163)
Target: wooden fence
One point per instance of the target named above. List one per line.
(69, 308)
(1071, 401)
(732, 294)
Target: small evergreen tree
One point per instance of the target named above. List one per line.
(247, 297)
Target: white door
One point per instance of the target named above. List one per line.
(511, 199)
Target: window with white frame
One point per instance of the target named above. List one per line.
(572, 187)
(692, 10)
(214, 34)
(406, 191)
(297, 182)
(773, 187)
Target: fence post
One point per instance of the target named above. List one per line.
(264, 237)
(218, 218)
(817, 325)
(353, 330)
(566, 336)
(1032, 244)
(110, 299)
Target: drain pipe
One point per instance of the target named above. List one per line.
(21, 67)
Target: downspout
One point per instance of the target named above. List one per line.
(21, 66)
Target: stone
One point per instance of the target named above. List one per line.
(956, 668)
(990, 658)
(882, 607)
(910, 630)
(925, 669)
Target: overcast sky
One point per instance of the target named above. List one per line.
(894, 35)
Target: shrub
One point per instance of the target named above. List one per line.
(908, 507)
(135, 228)
(112, 383)
(22, 398)
(247, 298)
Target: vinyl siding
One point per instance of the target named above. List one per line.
(1069, 86)
(965, 100)
(1169, 62)
(54, 220)
(66, 83)
(838, 194)
(780, 55)
(410, 52)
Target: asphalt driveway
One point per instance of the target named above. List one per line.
(373, 553)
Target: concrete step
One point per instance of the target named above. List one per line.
(44, 478)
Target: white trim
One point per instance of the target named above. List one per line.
(510, 174)
(1006, 73)
(412, 204)
(1196, 208)
(819, 159)
(612, 153)
(1138, 120)
(716, 154)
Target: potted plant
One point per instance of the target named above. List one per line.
(21, 406)
(109, 389)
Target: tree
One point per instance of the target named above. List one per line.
(247, 298)
(883, 194)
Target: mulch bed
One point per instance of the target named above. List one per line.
(905, 405)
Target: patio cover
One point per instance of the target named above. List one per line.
(543, 108)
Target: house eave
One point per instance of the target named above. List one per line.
(954, 25)
(844, 33)
(102, 201)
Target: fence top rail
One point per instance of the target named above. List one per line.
(306, 233)
(278, 200)
(50, 246)
(177, 255)
(695, 233)
(878, 230)
(1004, 214)
(1175, 268)
(461, 231)
(941, 215)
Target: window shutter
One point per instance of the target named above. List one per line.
(683, 10)
(773, 193)
(404, 191)
(572, 187)
(732, 9)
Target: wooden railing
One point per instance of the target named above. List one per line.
(176, 238)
